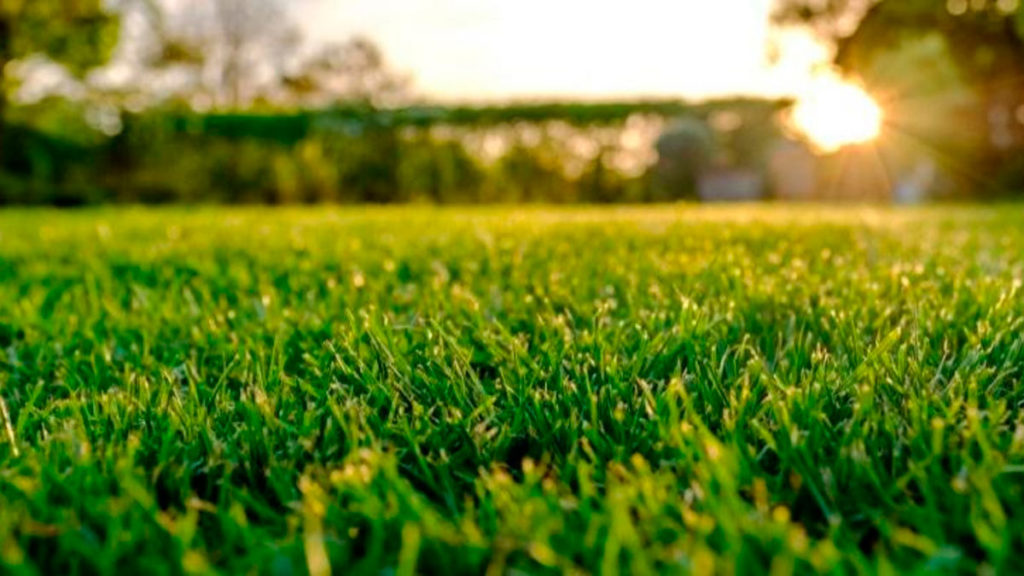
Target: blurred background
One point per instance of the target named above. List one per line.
(480, 101)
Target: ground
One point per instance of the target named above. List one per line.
(664, 389)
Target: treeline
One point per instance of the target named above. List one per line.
(202, 109)
(527, 153)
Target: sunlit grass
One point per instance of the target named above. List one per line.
(546, 390)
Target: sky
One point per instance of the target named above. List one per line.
(471, 50)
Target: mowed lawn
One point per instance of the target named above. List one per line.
(512, 391)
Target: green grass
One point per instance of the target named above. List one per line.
(471, 391)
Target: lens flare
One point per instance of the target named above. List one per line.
(836, 113)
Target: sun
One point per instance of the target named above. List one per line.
(834, 113)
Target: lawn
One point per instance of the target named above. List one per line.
(467, 391)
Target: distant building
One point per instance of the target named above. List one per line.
(792, 171)
(730, 185)
(918, 184)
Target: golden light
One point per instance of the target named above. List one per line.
(836, 113)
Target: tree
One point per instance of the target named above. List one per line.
(79, 34)
(981, 42)
(685, 150)
(236, 54)
(354, 71)
(830, 20)
(224, 53)
(986, 37)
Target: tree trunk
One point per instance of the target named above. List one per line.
(5, 57)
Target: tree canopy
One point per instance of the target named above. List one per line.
(985, 36)
(950, 74)
(78, 34)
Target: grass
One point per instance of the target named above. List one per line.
(670, 390)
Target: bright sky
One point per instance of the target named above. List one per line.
(495, 49)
